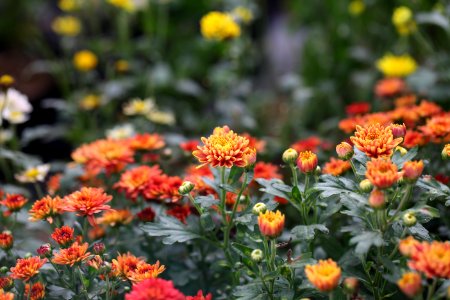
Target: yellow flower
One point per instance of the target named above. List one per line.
(67, 26)
(122, 66)
(243, 13)
(402, 18)
(161, 117)
(396, 66)
(123, 4)
(6, 80)
(356, 7)
(271, 223)
(139, 107)
(219, 26)
(324, 275)
(90, 102)
(67, 5)
(33, 174)
(85, 60)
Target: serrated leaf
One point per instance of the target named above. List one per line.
(308, 232)
(206, 201)
(399, 160)
(366, 240)
(207, 222)
(171, 229)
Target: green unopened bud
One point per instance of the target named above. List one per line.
(402, 150)
(290, 156)
(257, 255)
(3, 270)
(259, 208)
(28, 255)
(409, 219)
(318, 170)
(186, 187)
(365, 185)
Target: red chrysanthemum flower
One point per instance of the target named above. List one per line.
(336, 167)
(358, 108)
(163, 187)
(26, 268)
(413, 138)
(63, 235)
(147, 142)
(6, 295)
(87, 202)
(45, 209)
(134, 182)
(189, 146)
(224, 148)
(54, 183)
(116, 217)
(13, 202)
(181, 212)
(6, 240)
(382, 173)
(309, 144)
(200, 296)
(37, 291)
(72, 255)
(255, 143)
(146, 215)
(375, 140)
(154, 289)
(389, 87)
(6, 283)
(432, 259)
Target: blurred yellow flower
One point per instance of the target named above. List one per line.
(161, 117)
(244, 14)
(122, 66)
(90, 102)
(396, 66)
(402, 18)
(85, 60)
(33, 174)
(219, 26)
(356, 7)
(67, 26)
(127, 5)
(139, 107)
(67, 5)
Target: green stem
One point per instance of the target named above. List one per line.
(197, 207)
(294, 174)
(354, 169)
(403, 201)
(306, 185)
(84, 291)
(38, 189)
(431, 289)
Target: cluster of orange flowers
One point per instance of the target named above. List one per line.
(129, 267)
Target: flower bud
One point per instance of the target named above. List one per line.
(412, 170)
(377, 199)
(251, 158)
(344, 151)
(318, 171)
(398, 130)
(409, 219)
(6, 240)
(45, 250)
(257, 255)
(402, 150)
(410, 284)
(365, 185)
(105, 268)
(290, 156)
(28, 255)
(6, 81)
(351, 285)
(271, 224)
(186, 187)
(167, 153)
(259, 208)
(3, 270)
(99, 248)
(446, 152)
(6, 283)
(307, 161)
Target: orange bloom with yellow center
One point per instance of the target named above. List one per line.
(336, 167)
(72, 255)
(6, 295)
(446, 152)
(382, 173)
(375, 140)
(438, 128)
(87, 202)
(63, 235)
(224, 148)
(14, 202)
(125, 264)
(45, 209)
(410, 284)
(26, 268)
(116, 217)
(271, 224)
(134, 182)
(307, 161)
(147, 142)
(324, 275)
(37, 291)
(6, 240)
(406, 246)
(431, 259)
(145, 271)
(412, 170)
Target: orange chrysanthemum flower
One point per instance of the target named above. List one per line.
(37, 291)
(224, 148)
(257, 144)
(45, 209)
(6, 283)
(309, 144)
(382, 173)
(87, 202)
(95, 262)
(147, 142)
(72, 255)
(163, 187)
(446, 152)
(54, 183)
(6, 240)
(406, 246)
(63, 235)
(375, 140)
(109, 155)
(389, 87)
(271, 224)
(154, 289)
(438, 128)
(145, 271)
(125, 265)
(410, 284)
(195, 175)
(381, 118)
(133, 182)
(116, 217)
(414, 138)
(324, 275)
(26, 268)
(181, 212)
(265, 171)
(412, 170)
(432, 259)
(14, 202)
(427, 109)
(307, 161)
(336, 167)
(348, 125)
(189, 146)
(406, 101)
(6, 295)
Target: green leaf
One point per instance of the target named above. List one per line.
(433, 18)
(206, 201)
(172, 230)
(275, 187)
(207, 222)
(308, 232)
(399, 160)
(305, 259)
(251, 291)
(366, 240)
(420, 231)
(296, 195)
(235, 174)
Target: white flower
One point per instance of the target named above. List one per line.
(161, 117)
(139, 107)
(14, 106)
(121, 132)
(33, 174)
